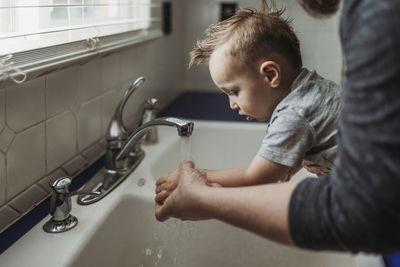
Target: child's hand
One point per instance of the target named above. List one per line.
(314, 168)
(289, 175)
(166, 185)
(183, 202)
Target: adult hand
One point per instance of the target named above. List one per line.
(183, 202)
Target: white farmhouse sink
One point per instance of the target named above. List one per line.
(121, 229)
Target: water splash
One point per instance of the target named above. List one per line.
(159, 254)
(148, 251)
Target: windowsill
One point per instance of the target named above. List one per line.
(40, 62)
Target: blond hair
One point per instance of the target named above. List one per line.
(253, 34)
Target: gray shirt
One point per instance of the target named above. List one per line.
(357, 207)
(303, 126)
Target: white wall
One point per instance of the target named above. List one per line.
(319, 39)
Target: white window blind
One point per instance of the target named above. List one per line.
(42, 33)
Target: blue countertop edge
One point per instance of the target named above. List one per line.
(202, 106)
(191, 105)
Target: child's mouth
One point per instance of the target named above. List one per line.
(249, 118)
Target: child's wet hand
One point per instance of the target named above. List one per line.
(183, 202)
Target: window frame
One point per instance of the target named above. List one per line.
(42, 61)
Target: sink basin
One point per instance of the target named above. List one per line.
(121, 229)
(130, 236)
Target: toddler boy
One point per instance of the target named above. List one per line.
(254, 57)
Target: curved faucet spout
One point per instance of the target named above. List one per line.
(184, 127)
(116, 129)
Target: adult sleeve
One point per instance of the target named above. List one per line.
(357, 207)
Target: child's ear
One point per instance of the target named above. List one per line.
(271, 72)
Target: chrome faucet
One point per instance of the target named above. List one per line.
(117, 134)
(124, 153)
(185, 128)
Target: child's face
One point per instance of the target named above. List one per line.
(248, 91)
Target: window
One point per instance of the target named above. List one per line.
(43, 33)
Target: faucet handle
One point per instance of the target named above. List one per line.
(61, 185)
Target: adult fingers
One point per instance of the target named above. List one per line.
(161, 212)
(160, 197)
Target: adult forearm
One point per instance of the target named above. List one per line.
(261, 209)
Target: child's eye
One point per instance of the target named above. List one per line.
(233, 93)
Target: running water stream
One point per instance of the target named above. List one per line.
(185, 148)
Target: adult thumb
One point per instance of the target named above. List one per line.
(161, 211)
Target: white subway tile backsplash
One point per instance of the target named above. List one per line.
(56, 124)
(25, 159)
(2, 110)
(6, 137)
(75, 165)
(89, 80)
(24, 201)
(7, 215)
(2, 179)
(109, 102)
(61, 91)
(25, 104)
(76, 106)
(61, 136)
(110, 71)
(92, 153)
(89, 123)
(130, 66)
(143, 59)
(102, 143)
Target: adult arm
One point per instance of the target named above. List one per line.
(262, 209)
(357, 206)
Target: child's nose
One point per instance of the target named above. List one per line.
(233, 103)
